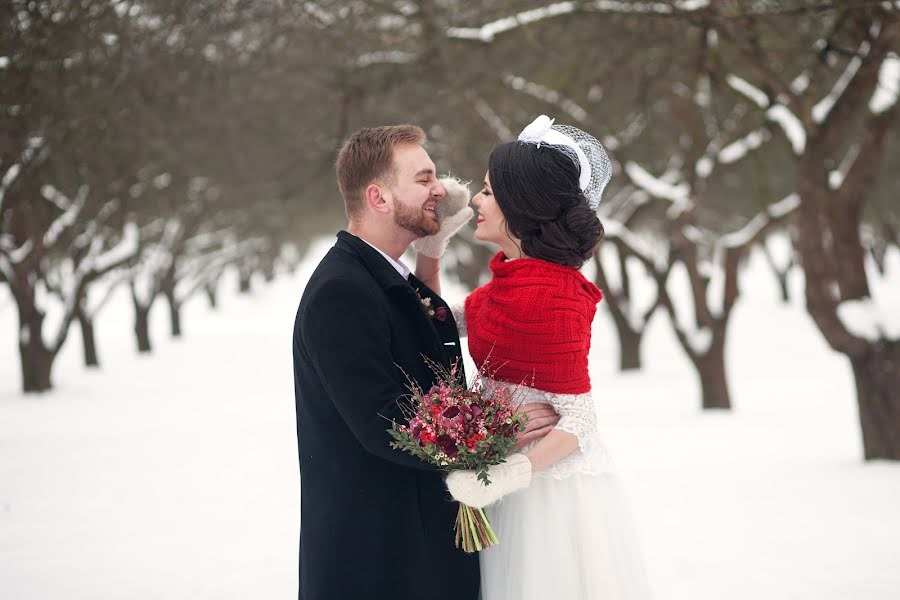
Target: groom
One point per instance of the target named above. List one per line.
(376, 522)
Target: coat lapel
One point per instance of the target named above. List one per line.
(404, 294)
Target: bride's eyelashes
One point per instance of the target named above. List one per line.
(485, 192)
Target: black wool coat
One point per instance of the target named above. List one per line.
(374, 522)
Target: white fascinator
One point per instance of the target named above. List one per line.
(581, 147)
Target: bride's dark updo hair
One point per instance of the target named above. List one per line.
(537, 191)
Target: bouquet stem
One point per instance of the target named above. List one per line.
(473, 531)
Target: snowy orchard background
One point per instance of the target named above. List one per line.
(173, 475)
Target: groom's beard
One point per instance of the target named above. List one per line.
(416, 220)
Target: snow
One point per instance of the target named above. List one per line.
(704, 167)
(487, 32)
(494, 121)
(71, 209)
(780, 248)
(749, 90)
(8, 178)
(656, 253)
(124, 249)
(385, 57)
(791, 125)
(656, 186)
(4, 62)
(800, 83)
(738, 149)
(788, 204)
(17, 255)
(779, 113)
(174, 475)
(876, 317)
(888, 89)
(703, 94)
(837, 176)
(746, 233)
(548, 95)
(823, 107)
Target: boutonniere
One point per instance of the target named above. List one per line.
(439, 313)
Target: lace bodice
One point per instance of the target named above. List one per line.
(577, 415)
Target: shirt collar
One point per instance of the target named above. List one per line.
(398, 265)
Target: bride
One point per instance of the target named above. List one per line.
(557, 506)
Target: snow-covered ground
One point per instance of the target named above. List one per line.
(174, 475)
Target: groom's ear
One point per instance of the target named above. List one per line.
(377, 198)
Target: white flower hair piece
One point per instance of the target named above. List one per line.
(583, 148)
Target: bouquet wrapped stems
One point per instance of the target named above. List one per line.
(473, 531)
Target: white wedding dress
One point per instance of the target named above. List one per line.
(569, 535)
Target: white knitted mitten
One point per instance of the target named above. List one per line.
(506, 478)
(453, 211)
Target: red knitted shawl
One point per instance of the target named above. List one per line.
(532, 322)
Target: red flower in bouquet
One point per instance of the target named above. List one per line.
(455, 426)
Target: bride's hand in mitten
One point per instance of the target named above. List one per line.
(453, 211)
(506, 478)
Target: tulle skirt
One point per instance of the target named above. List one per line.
(564, 539)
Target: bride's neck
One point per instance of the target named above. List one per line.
(512, 249)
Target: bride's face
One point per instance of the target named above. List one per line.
(491, 222)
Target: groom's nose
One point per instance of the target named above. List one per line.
(439, 190)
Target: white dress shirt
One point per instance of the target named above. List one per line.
(401, 268)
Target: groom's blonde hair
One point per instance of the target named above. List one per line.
(367, 156)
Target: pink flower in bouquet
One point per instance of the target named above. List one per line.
(454, 426)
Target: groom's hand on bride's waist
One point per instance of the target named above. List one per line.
(541, 420)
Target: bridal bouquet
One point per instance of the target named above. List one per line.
(455, 426)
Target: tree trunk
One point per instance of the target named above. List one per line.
(783, 287)
(629, 346)
(211, 294)
(269, 272)
(244, 281)
(877, 376)
(87, 339)
(142, 327)
(36, 358)
(174, 312)
(713, 377)
(629, 339)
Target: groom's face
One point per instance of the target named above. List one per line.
(415, 190)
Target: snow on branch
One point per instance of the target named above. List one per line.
(127, 248)
(778, 113)
(888, 90)
(547, 95)
(738, 149)
(791, 125)
(8, 178)
(6, 269)
(748, 90)
(870, 319)
(71, 210)
(660, 187)
(823, 107)
(488, 31)
(390, 57)
(654, 257)
(752, 231)
(494, 121)
(837, 176)
(32, 148)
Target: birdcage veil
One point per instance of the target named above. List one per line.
(583, 148)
